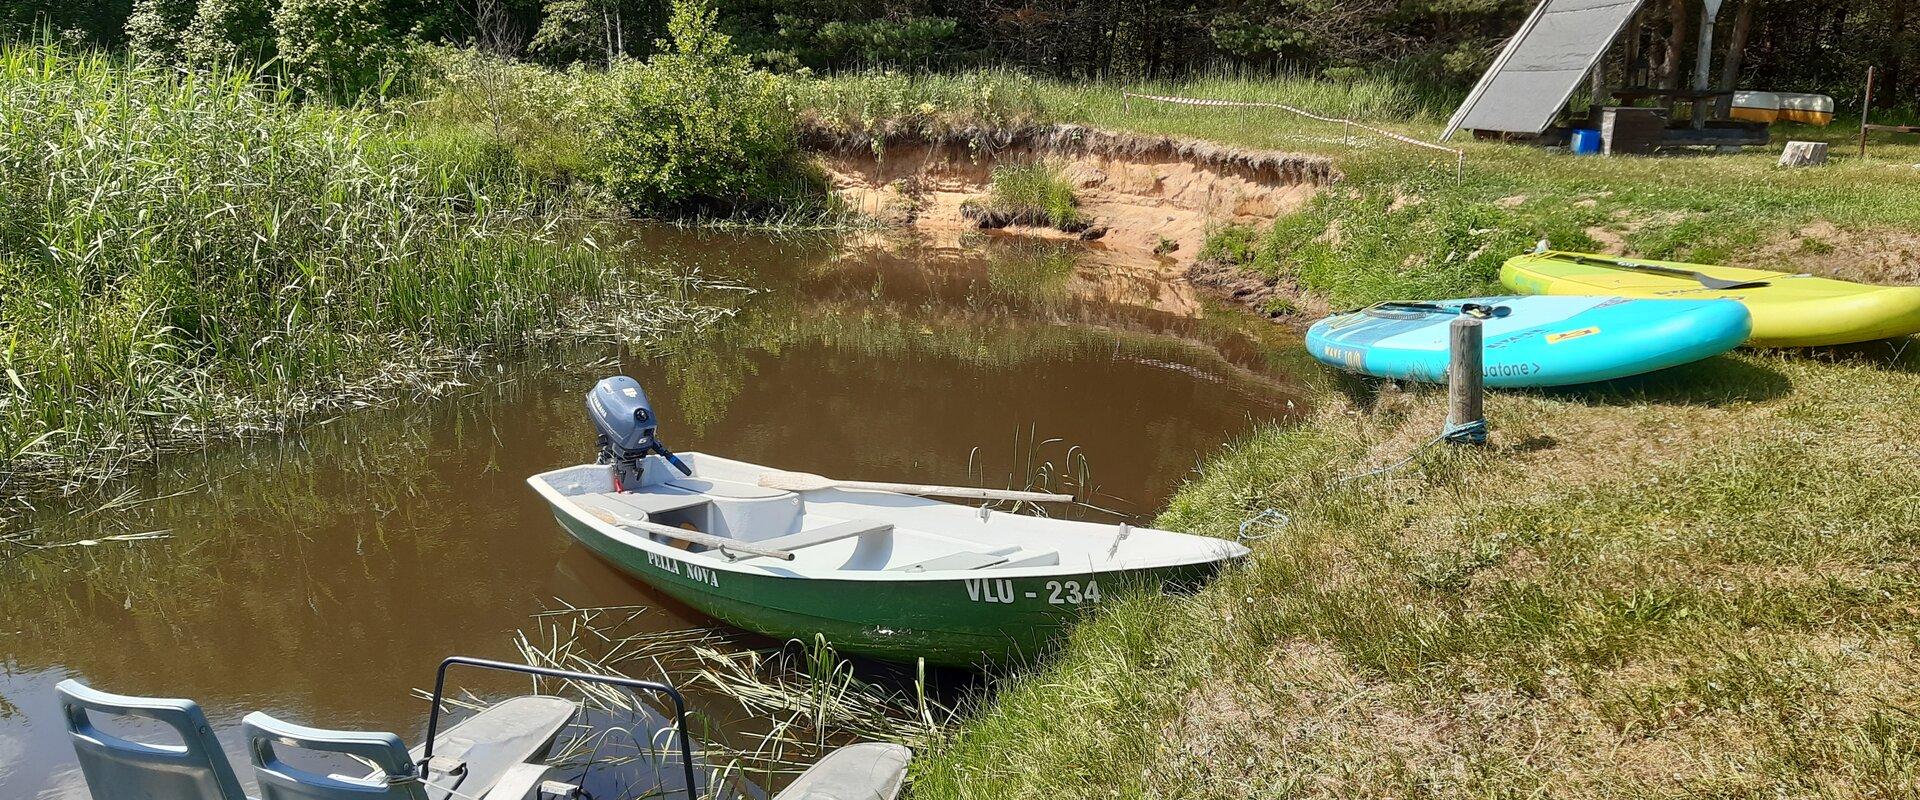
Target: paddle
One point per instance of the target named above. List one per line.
(721, 543)
(1710, 282)
(807, 482)
(1480, 310)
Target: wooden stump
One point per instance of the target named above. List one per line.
(1803, 154)
(1466, 422)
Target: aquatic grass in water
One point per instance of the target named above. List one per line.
(185, 255)
(802, 700)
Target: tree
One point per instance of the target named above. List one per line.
(341, 49)
(154, 28)
(229, 31)
(594, 30)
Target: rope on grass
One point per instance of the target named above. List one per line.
(1280, 521)
(1459, 156)
(1397, 464)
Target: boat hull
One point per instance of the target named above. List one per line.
(947, 621)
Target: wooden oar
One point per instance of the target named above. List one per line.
(717, 542)
(807, 482)
(1710, 282)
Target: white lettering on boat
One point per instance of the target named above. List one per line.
(982, 590)
(1059, 593)
(1070, 593)
(663, 562)
(704, 575)
(694, 572)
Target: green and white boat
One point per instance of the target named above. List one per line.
(881, 573)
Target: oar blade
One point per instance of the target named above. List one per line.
(796, 481)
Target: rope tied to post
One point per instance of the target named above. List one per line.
(1471, 432)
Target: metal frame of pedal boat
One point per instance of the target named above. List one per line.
(631, 684)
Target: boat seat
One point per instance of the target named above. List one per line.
(122, 769)
(956, 561)
(1041, 558)
(469, 759)
(724, 488)
(818, 536)
(641, 505)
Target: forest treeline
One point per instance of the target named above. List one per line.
(1801, 45)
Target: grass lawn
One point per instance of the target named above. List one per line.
(1401, 224)
(1700, 583)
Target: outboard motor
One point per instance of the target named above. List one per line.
(628, 430)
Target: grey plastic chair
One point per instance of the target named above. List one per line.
(395, 777)
(117, 768)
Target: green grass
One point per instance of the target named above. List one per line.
(1401, 224)
(1030, 193)
(1695, 584)
(1698, 584)
(930, 106)
(183, 256)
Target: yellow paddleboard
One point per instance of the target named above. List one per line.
(1789, 310)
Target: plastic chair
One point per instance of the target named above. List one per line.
(395, 777)
(117, 768)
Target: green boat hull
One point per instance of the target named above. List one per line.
(954, 621)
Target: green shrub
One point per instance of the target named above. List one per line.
(154, 29)
(1232, 244)
(229, 32)
(696, 128)
(341, 49)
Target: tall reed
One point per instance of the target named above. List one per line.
(182, 254)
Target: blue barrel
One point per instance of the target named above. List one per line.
(1586, 141)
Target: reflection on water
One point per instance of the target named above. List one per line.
(320, 577)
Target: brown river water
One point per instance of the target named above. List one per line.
(320, 576)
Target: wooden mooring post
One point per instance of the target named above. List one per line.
(1466, 364)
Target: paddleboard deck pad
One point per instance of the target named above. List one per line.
(1532, 341)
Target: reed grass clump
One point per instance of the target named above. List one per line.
(183, 254)
(788, 707)
(1029, 193)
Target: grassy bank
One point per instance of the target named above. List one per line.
(187, 256)
(1699, 584)
(1695, 584)
(1401, 224)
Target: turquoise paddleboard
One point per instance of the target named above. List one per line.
(1532, 341)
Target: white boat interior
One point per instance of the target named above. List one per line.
(881, 535)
